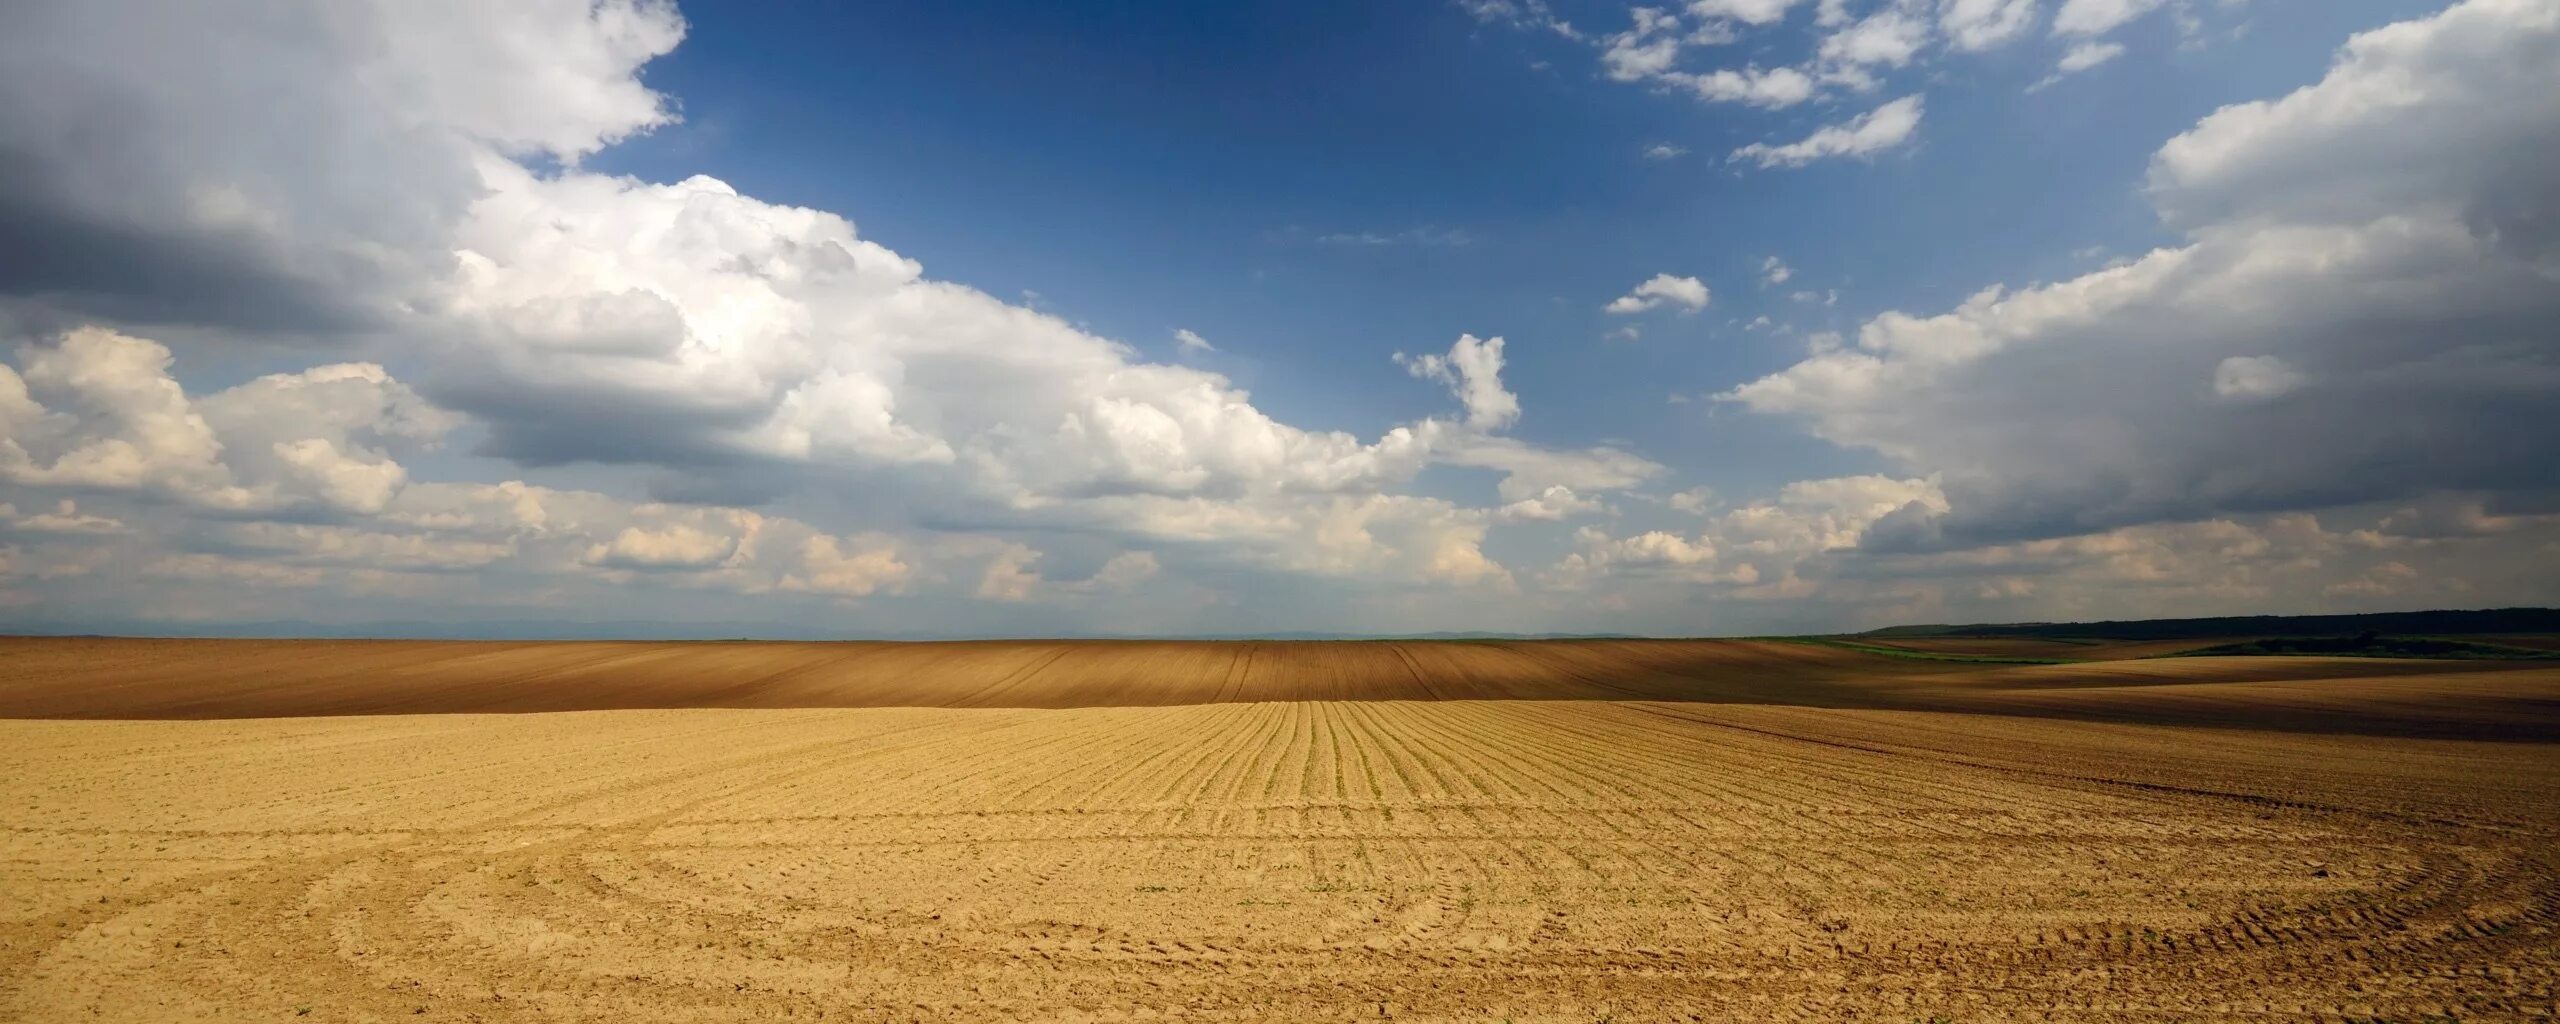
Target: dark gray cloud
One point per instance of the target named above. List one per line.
(82, 267)
(278, 165)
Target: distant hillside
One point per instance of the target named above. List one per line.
(2436, 623)
(2373, 645)
(1442, 635)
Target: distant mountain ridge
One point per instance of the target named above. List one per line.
(2429, 623)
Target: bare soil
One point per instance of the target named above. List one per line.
(1738, 832)
(2038, 647)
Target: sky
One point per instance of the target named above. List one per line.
(952, 319)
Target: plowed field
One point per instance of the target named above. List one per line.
(1775, 833)
(84, 677)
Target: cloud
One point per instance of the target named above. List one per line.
(1664, 151)
(2084, 56)
(2451, 114)
(1648, 549)
(827, 568)
(1861, 547)
(66, 518)
(1126, 570)
(258, 184)
(1473, 371)
(2099, 17)
(1750, 12)
(687, 326)
(2081, 57)
(1851, 54)
(1519, 14)
(695, 540)
(1687, 294)
(820, 420)
(230, 572)
(1889, 37)
(125, 423)
(1425, 236)
(1529, 471)
(1008, 576)
(1649, 51)
(1775, 272)
(1885, 128)
(2223, 565)
(1553, 504)
(2384, 580)
(1380, 538)
(1646, 49)
(2375, 249)
(328, 434)
(1985, 24)
(1185, 340)
(320, 439)
(540, 538)
(1772, 87)
(1695, 500)
(363, 549)
(1760, 541)
(2254, 377)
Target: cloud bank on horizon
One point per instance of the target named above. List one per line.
(326, 316)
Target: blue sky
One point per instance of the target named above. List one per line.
(1171, 166)
(863, 320)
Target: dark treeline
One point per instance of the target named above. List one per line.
(2434, 623)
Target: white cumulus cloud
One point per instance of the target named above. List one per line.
(1472, 369)
(1885, 128)
(1985, 24)
(2385, 232)
(2099, 17)
(1686, 294)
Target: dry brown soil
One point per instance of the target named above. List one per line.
(2038, 647)
(1064, 831)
